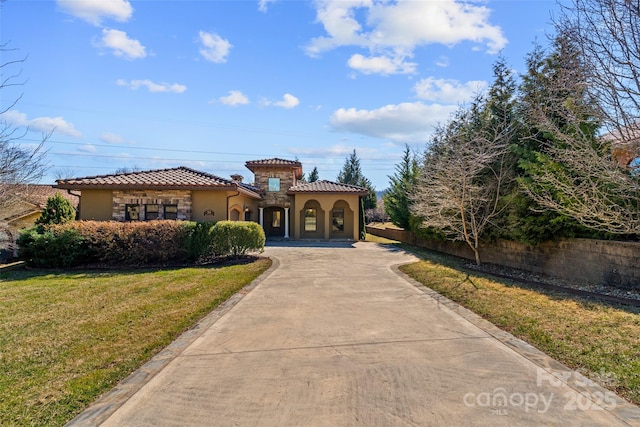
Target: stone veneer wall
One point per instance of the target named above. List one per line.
(588, 260)
(182, 198)
(279, 198)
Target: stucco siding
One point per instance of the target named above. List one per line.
(96, 205)
(326, 204)
(209, 205)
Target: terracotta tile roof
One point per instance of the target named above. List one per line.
(294, 165)
(327, 187)
(174, 178)
(273, 162)
(23, 200)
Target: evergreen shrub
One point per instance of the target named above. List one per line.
(231, 238)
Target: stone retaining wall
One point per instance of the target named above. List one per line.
(588, 260)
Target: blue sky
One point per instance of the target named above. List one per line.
(211, 84)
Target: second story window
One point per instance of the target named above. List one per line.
(274, 184)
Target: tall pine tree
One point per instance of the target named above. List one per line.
(351, 173)
(397, 200)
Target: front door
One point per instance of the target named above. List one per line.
(274, 222)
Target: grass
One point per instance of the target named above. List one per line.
(600, 340)
(67, 337)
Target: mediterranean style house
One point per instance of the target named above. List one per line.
(284, 206)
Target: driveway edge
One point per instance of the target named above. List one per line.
(623, 410)
(101, 409)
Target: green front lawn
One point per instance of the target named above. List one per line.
(600, 340)
(67, 337)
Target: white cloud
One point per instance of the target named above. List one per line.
(448, 91)
(402, 123)
(288, 101)
(262, 5)
(151, 86)
(121, 44)
(395, 29)
(235, 97)
(40, 124)
(214, 48)
(381, 65)
(94, 11)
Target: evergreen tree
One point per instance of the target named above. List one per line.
(58, 210)
(313, 176)
(351, 173)
(571, 175)
(552, 83)
(397, 200)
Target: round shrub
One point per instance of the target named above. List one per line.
(237, 238)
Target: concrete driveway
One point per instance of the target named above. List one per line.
(333, 335)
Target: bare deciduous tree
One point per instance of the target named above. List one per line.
(463, 177)
(575, 173)
(608, 35)
(19, 163)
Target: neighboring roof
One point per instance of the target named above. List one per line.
(275, 163)
(27, 199)
(327, 187)
(180, 178)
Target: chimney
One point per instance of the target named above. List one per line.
(237, 178)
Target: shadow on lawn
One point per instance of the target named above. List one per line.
(104, 270)
(586, 300)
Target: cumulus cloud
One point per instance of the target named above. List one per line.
(395, 29)
(121, 45)
(381, 65)
(288, 101)
(235, 97)
(448, 90)
(401, 123)
(42, 124)
(94, 11)
(213, 47)
(151, 86)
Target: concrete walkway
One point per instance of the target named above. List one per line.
(333, 335)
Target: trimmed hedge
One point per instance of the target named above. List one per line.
(53, 247)
(136, 243)
(232, 238)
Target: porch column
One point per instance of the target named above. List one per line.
(261, 217)
(286, 223)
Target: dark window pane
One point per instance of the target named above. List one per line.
(170, 211)
(337, 220)
(151, 212)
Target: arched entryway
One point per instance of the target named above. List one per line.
(312, 221)
(274, 222)
(341, 221)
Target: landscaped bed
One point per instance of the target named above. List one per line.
(600, 340)
(68, 336)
